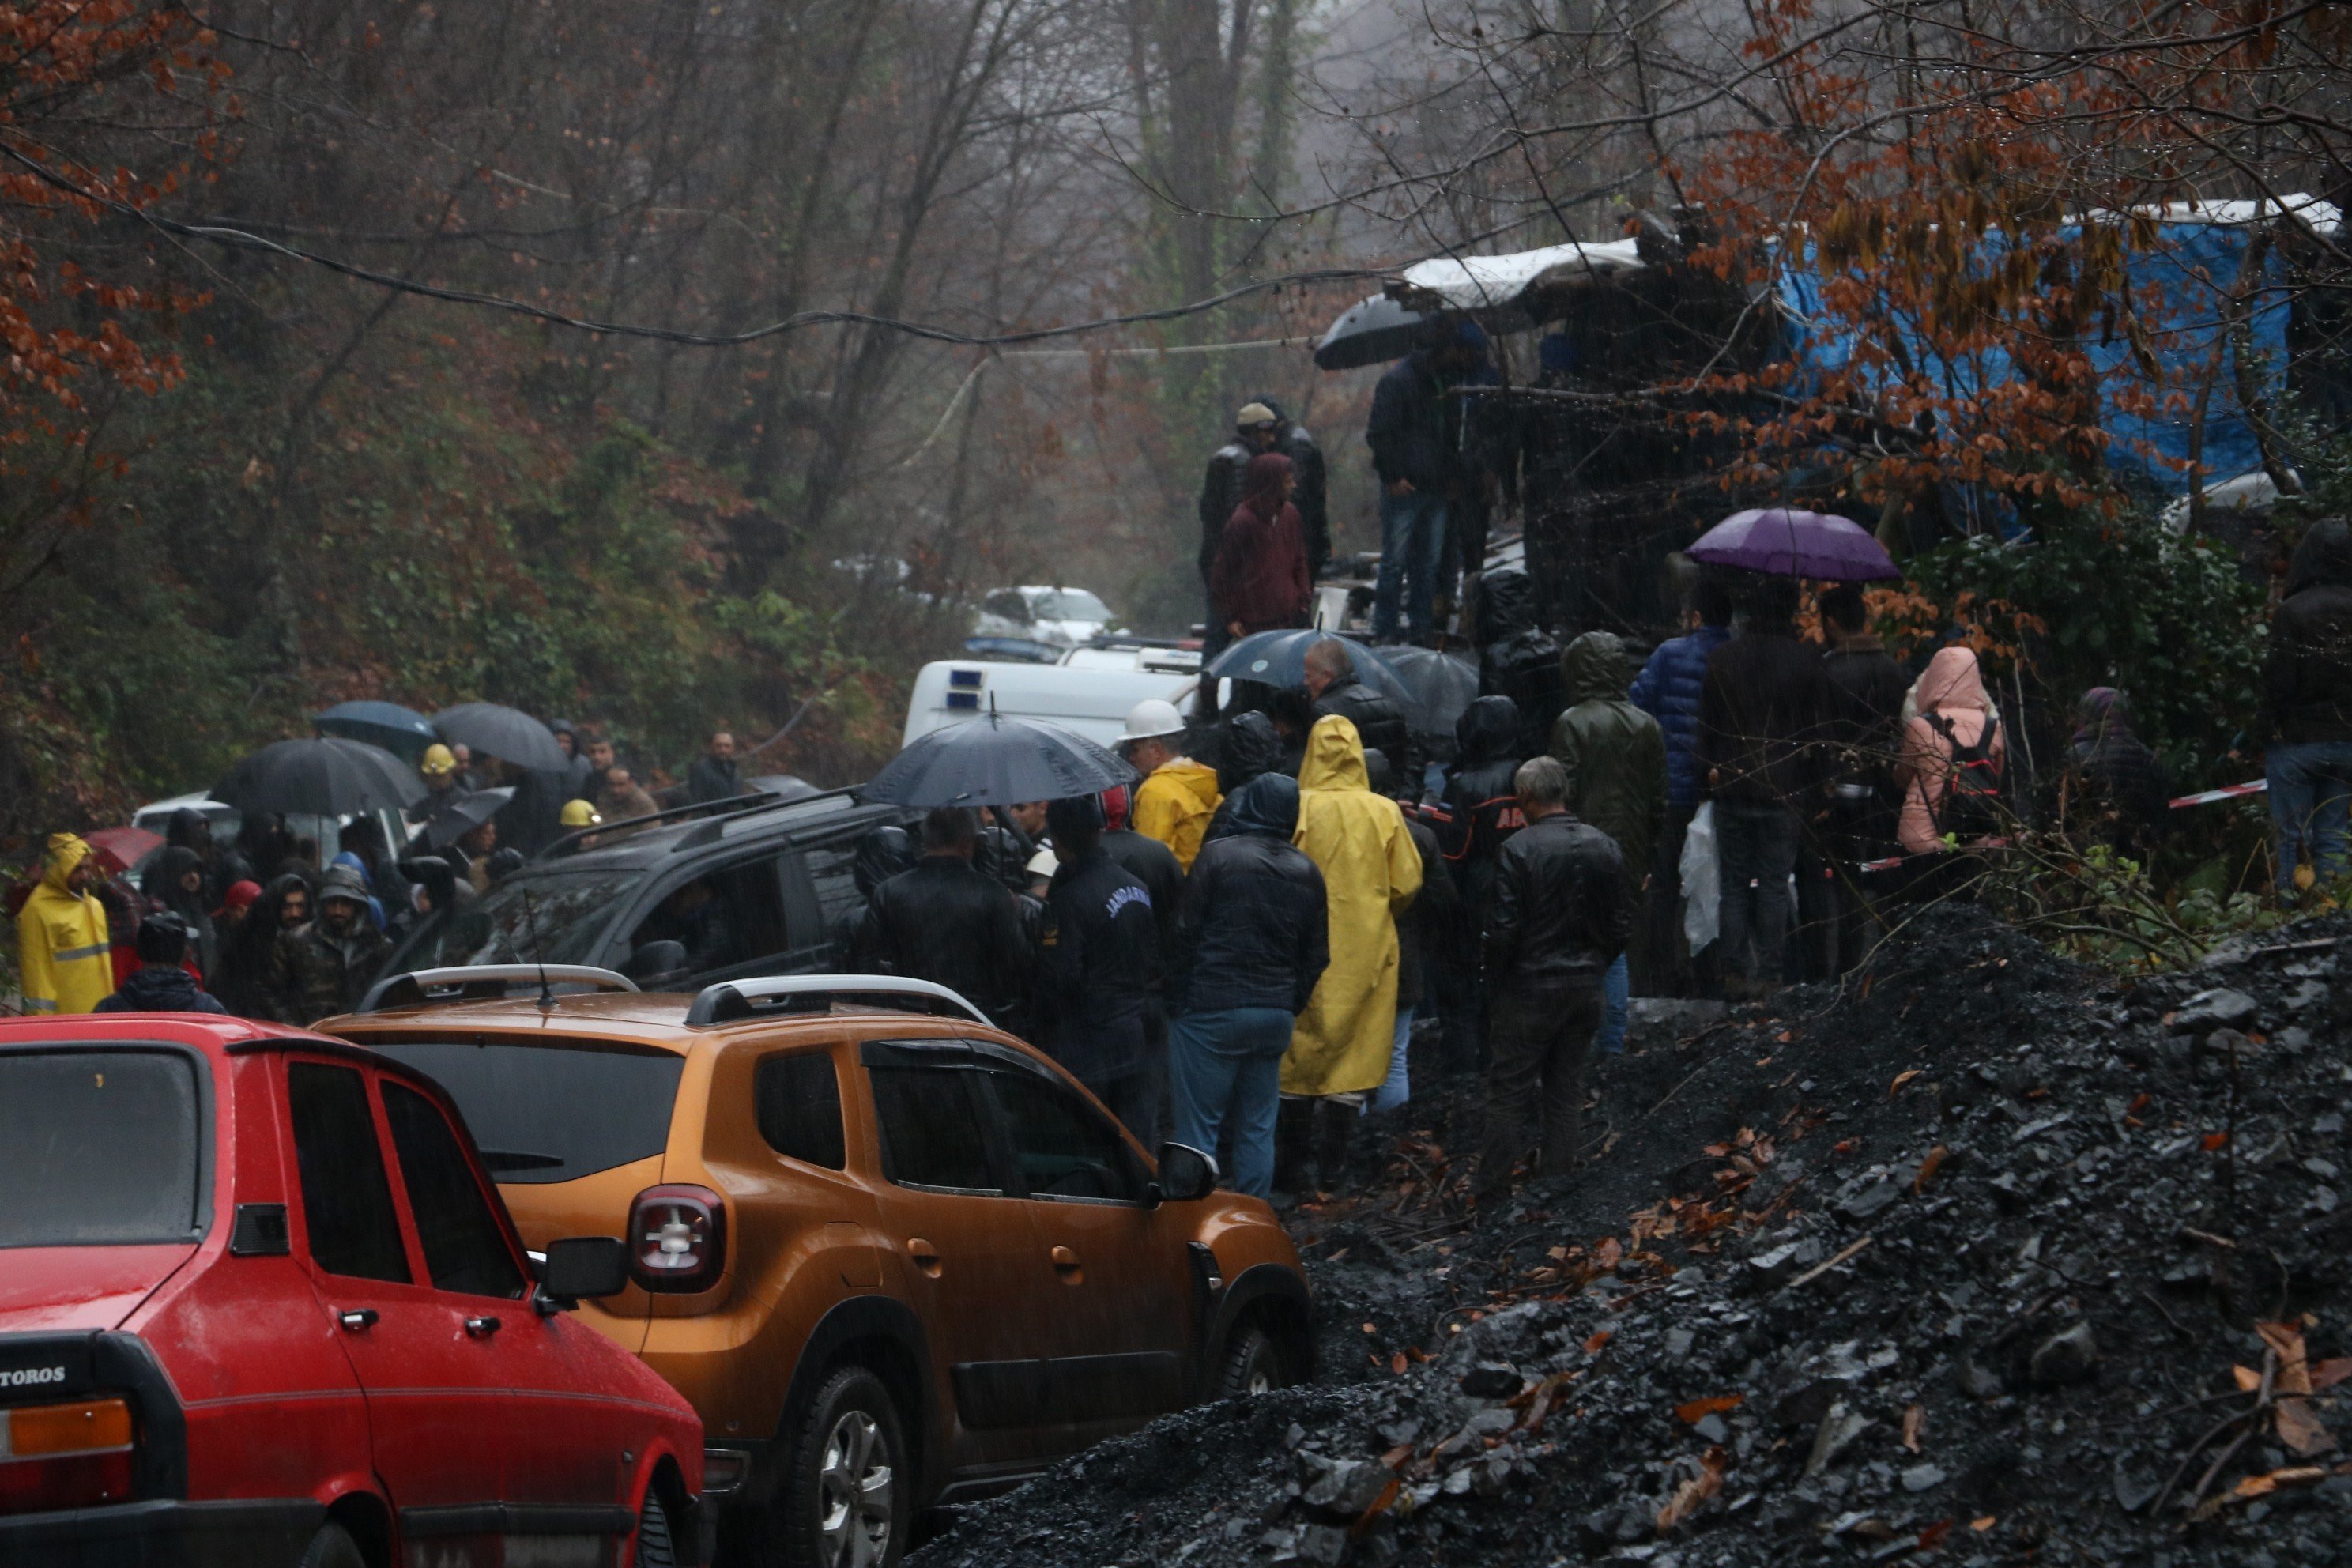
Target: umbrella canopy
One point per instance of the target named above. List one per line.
(120, 849)
(1370, 332)
(403, 732)
(1280, 659)
(464, 815)
(1439, 687)
(1784, 543)
(995, 761)
(507, 734)
(330, 777)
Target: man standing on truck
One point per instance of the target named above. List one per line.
(1257, 429)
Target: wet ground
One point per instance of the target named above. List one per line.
(1980, 1258)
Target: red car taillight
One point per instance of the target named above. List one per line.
(65, 1455)
(677, 1238)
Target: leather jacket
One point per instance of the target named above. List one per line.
(1557, 914)
(955, 926)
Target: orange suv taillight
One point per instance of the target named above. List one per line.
(677, 1238)
(65, 1455)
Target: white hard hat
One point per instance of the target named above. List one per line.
(1043, 864)
(1154, 718)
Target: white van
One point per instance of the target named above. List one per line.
(1094, 702)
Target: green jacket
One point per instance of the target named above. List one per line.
(1615, 753)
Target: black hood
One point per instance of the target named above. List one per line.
(1489, 730)
(1506, 605)
(2324, 559)
(1253, 746)
(882, 855)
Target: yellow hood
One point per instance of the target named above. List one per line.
(67, 851)
(1196, 779)
(1335, 756)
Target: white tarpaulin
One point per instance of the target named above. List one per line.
(1497, 283)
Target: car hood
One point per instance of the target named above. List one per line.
(68, 1289)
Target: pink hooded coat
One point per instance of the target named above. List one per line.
(1953, 688)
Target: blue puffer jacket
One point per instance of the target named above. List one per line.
(1668, 690)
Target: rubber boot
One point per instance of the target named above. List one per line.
(1335, 1135)
(1294, 1144)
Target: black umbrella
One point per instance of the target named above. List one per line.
(400, 731)
(1438, 687)
(326, 777)
(1280, 659)
(464, 815)
(1371, 331)
(507, 734)
(995, 760)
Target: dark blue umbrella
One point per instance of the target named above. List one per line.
(507, 734)
(995, 761)
(400, 731)
(1280, 659)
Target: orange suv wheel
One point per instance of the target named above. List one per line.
(846, 1497)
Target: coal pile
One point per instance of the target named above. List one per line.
(1981, 1258)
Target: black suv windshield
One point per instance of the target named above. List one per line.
(550, 1110)
(99, 1147)
(543, 916)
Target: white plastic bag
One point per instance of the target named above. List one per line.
(1702, 869)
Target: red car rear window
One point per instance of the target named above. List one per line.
(99, 1147)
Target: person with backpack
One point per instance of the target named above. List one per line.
(1953, 761)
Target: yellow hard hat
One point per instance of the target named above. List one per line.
(439, 760)
(580, 813)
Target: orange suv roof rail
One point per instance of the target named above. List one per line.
(479, 982)
(733, 1001)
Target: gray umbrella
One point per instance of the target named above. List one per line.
(995, 760)
(1438, 688)
(1370, 332)
(507, 734)
(325, 777)
(1280, 659)
(464, 815)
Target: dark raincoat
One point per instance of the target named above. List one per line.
(1260, 577)
(2307, 681)
(1615, 753)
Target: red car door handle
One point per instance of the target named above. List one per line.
(926, 1256)
(481, 1328)
(353, 1321)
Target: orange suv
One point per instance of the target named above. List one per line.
(894, 1255)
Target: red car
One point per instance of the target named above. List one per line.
(259, 1305)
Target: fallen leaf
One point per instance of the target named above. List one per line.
(1397, 1364)
(1397, 1456)
(1698, 1410)
(2139, 1103)
(1370, 1330)
(2300, 1430)
(1599, 1337)
(1845, 1146)
(1783, 1037)
(1933, 1536)
(1982, 1525)
(1693, 1492)
(1556, 1254)
(2247, 1378)
(1928, 1167)
(1913, 1420)
(1607, 1255)
(1379, 1505)
(2286, 1340)
(1906, 1076)
(2331, 1371)
(2214, 1140)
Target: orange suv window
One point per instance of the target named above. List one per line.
(931, 1134)
(798, 1102)
(1064, 1147)
(550, 1110)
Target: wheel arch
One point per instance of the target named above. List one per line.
(887, 1337)
(368, 1522)
(1275, 1299)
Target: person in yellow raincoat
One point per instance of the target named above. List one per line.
(64, 956)
(1178, 795)
(1340, 1049)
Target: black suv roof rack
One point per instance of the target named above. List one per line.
(746, 805)
(482, 982)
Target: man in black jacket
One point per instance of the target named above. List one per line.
(1095, 961)
(1415, 434)
(947, 922)
(1155, 865)
(715, 775)
(2307, 698)
(1252, 944)
(1865, 689)
(1555, 922)
(161, 984)
(1763, 712)
(1477, 816)
(1331, 680)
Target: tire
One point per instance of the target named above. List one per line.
(333, 1547)
(657, 1546)
(845, 1499)
(1252, 1364)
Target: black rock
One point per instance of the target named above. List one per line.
(2221, 1008)
(2069, 1357)
(1491, 1380)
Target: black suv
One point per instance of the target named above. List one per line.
(751, 886)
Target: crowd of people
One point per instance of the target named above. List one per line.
(271, 925)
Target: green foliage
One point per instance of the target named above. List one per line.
(2126, 604)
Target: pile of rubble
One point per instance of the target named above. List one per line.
(1980, 1257)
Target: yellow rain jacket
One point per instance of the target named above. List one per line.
(1174, 806)
(1370, 872)
(62, 947)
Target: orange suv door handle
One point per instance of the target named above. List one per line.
(1065, 1264)
(926, 1256)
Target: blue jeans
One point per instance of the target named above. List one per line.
(1227, 1065)
(1412, 542)
(2311, 788)
(1398, 1088)
(1616, 1008)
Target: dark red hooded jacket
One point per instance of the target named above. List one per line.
(1260, 577)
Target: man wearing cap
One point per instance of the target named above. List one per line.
(161, 983)
(64, 954)
(320, 967)
(1257, 429)
(1178, 795)
(439, 768)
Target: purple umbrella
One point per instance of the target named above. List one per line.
(1784, 543)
